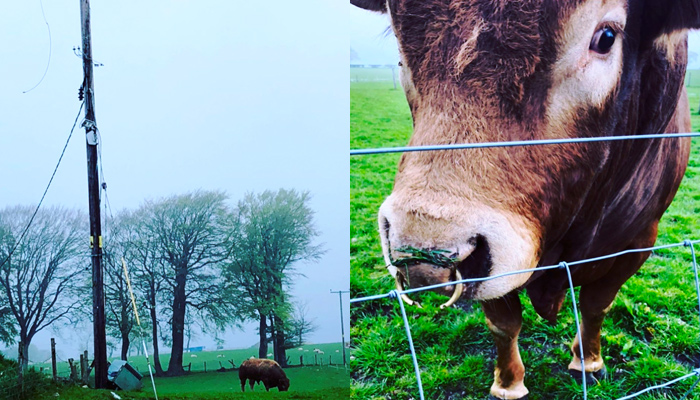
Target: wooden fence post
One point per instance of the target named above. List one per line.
(73, 370)
(205, 366)
(301, 360)
(84, 371)
(53, 358)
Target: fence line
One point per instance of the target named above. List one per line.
(563, 265)
(520, 143)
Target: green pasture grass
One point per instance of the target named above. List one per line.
(383, 74)
(313, 383)
(333, 350)
(651, 335)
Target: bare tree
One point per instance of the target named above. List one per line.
(121, 244)
(42, 277)
(271, 233)
(148, 269)
(188, 233)
(299, 326)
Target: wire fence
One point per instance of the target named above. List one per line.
(397, 294)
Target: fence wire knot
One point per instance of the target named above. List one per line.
(687, 243)
(563, 265)
(394, 294)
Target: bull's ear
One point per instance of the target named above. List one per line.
(372, 5)
(666, 16)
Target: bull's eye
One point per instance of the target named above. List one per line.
(603, 40)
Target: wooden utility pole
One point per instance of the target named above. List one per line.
(342, 325)
(98, 304)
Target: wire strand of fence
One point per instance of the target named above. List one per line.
(520, 143)
(688, 243)
(689, 391)
(566, 266)
(537, 269)
(414, 357)
(661, 386)
(578, 329)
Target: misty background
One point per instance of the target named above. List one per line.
(214, 95)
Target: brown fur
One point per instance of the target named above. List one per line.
(261, 370)
(498, 70)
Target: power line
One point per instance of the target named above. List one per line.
(31, 220)
(50, 45)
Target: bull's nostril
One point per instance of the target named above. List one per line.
(478, 264)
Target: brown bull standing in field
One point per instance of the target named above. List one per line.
(500, 70)
(266, 371)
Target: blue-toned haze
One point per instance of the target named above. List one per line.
(216, 95)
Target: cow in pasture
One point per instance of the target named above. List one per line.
(502, 70)
(262, 370)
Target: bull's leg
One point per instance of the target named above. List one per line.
(252, 382)
(242, 384)
(504, 319)
(595, 301)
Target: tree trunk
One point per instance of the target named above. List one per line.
(178, 323)
(156, 354)
(278, 340)
(125, 346)
(262, 350)
(23, 355)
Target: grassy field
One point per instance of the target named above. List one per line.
(332, 353)
(313, 383)
(650, 336)
(315, 380)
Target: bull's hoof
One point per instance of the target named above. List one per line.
(492, 397)
(591, 377)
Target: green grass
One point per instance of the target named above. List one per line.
(650, 336)
(306, 383)
(332, 350)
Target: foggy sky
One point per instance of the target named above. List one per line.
(214, 95)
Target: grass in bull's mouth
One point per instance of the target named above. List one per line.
(434, 257)
(651, 334)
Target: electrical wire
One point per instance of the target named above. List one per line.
(31, 220)
(50, 45)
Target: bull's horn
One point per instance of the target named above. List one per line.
(406, 299)
(458, 291)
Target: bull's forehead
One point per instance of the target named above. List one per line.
(502, 49)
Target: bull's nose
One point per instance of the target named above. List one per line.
(399, 233)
